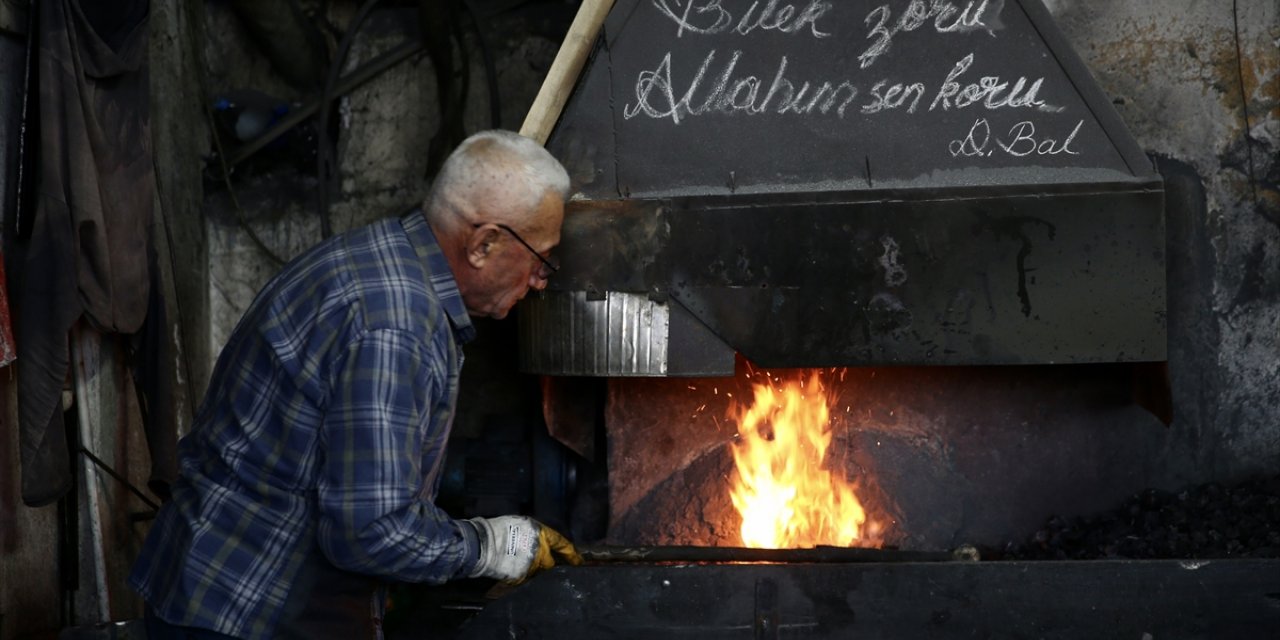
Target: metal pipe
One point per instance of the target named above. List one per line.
(604, 553)
(345, 85)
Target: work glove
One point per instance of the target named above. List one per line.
(513, 548)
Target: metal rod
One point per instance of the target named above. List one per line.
(24, 202)
(119, 478)
(602, 553)
(345, 85)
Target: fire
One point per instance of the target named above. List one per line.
(785, 496)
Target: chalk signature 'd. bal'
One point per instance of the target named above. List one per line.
(1021, 140)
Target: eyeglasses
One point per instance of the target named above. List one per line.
(551, 267)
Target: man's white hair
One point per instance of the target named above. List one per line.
(502, 173)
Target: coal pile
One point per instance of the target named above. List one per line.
(1205, 521)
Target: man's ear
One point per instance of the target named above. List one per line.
(480, 243)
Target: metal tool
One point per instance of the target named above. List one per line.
(693, 554)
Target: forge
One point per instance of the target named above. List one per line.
(929, 215)
(960, 471)
(954, 235)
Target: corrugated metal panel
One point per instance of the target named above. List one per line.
(623, 334)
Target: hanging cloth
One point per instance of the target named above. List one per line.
(87, 252)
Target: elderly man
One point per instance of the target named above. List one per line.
(307, 482)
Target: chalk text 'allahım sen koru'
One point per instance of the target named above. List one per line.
(657, 94)
(720, 85)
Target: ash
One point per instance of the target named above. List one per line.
(1204, 521)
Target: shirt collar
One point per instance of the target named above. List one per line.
(428, 248)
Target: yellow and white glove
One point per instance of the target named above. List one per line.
(513, 548)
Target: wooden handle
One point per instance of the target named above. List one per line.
(565, 69)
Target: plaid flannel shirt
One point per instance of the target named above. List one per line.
(324, 428)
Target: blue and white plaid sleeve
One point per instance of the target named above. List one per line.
(376, 516)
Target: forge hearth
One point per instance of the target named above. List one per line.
(940, 456)
(674, 478)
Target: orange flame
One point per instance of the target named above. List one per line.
(785, 497)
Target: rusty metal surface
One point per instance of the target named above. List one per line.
(570, 408)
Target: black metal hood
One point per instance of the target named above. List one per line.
(819, 183)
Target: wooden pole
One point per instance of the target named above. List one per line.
(564, 70)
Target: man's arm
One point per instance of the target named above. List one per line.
(375, 517)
